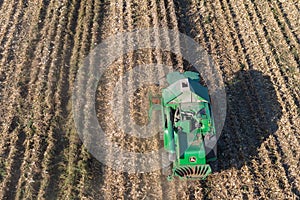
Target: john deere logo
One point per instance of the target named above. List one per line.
(193, 159)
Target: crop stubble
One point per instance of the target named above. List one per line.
(254, 43)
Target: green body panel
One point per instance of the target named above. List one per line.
(187, 120)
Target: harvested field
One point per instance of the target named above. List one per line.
(255, 45)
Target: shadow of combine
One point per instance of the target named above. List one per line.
(252, 115)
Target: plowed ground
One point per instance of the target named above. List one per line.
(254, 43)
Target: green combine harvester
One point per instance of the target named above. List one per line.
(189, 132)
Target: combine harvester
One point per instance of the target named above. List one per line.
(189, 133)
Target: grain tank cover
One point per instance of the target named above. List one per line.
(184, 87)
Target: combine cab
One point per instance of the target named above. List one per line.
(189, 133)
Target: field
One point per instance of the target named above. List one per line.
(255, 45)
